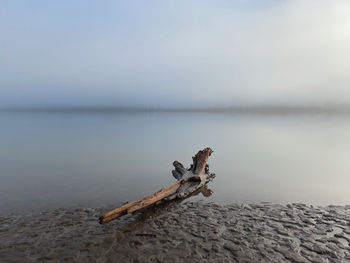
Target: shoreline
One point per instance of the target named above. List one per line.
(181, 232)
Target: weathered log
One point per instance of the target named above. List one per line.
(189, 181)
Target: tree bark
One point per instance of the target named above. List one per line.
(189, 181)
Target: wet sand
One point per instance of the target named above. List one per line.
(181, 232)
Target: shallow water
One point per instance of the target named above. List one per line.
(50, 160)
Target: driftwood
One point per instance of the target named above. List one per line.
(189, 181)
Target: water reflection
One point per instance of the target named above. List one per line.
(54, 160)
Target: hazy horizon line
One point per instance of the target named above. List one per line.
(241, 109)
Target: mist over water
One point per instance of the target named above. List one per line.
(174, 54)
(51, 160)
(99, 98)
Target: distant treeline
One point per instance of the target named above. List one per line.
(265, 109)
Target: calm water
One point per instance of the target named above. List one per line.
(50, 160)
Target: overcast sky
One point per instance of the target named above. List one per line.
(174, 53)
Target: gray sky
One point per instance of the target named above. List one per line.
(174, 53)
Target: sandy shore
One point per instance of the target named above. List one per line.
(181, 232)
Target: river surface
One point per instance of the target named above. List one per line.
(51, 160)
